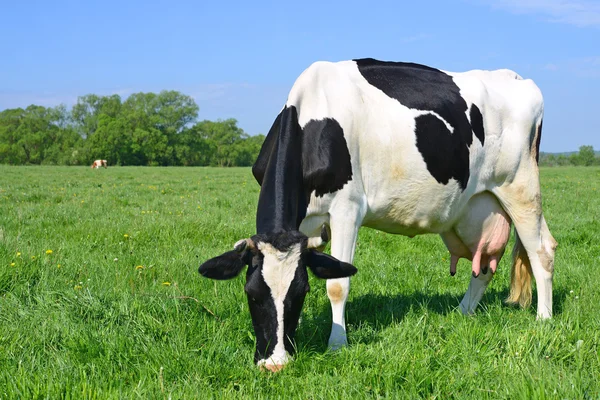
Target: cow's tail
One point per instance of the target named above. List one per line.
(520, 276)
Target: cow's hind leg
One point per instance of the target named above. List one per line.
(344, 231)
(522, 201)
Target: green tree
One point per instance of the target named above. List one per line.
(223, 138)
(112, 141)
(87, 111)
(587, 156)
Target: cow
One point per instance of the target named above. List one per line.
(99, 163)
(399, 147)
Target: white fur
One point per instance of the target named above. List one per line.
(278, 272)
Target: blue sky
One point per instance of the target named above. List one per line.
(239, 58)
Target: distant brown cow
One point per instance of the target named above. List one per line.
(100, 163)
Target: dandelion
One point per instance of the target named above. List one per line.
(12, 264)
(82, 201)
(58, 266)
(18, 254)
(139, 267)
(48, 252)
(33, 257)
(126, 236)
(166, 283)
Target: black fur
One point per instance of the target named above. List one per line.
(477, 123)
(226, 266)
(282, 201)
(537, 143)
(260, 166)
(262, 310)
(325, 266)
(325, 157)
(424, 88)
(439, 148)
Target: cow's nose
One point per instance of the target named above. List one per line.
(272, 367)
(276, 362)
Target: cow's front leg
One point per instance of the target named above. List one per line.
(344, 231)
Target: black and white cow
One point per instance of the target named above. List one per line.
(399, 147)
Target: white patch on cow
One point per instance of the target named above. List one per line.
(278, 271)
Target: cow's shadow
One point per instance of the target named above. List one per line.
(369, 315)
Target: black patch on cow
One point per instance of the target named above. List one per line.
(433, 135)
(294, 162)
(424, 88)
(477, 123)
(262, 310)
(260, 166)
(325, 157)
(537, 143)
(282, 201)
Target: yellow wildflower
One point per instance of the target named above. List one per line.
(77, 287)
(166, 283)
(139, 267)
(33, 257)
(12, 264)
(48, 251)
(126, 236)
(18, 254)
(58, 266)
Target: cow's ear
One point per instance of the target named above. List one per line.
(226, 266)
(325, 266)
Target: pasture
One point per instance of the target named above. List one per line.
(100, 298)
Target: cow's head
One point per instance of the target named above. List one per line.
(276, 284)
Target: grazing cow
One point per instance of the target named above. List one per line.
(399, 147)
(99, 163)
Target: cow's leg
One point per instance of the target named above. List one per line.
(522, 200)
(474, 293)
(344, 231)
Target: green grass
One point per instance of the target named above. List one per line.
(110, 316)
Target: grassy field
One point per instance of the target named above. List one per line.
(100, 298)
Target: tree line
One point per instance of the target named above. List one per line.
(585, 157)
(144, 129)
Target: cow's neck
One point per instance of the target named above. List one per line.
(282, 202)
